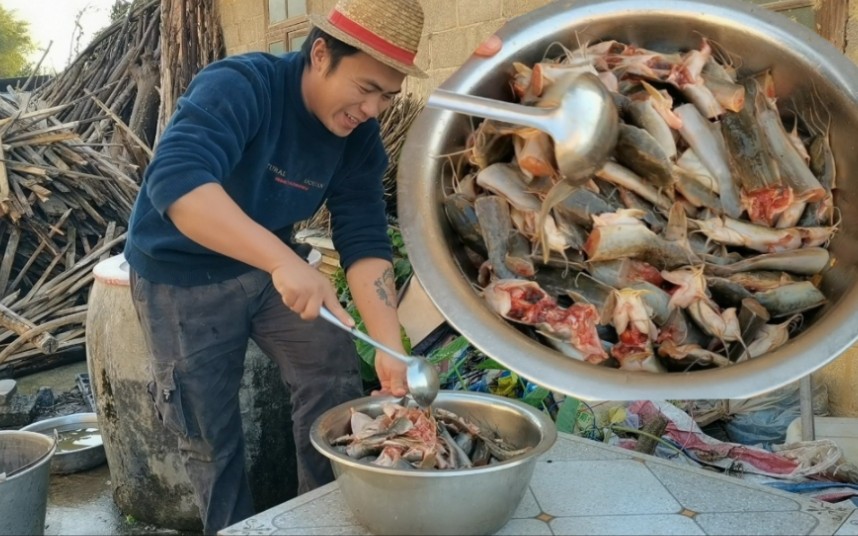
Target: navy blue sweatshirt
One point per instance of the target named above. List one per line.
(242, 123)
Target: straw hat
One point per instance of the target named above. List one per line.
(387, 30)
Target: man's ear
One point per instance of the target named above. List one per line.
(319, 55)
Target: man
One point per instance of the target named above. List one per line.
(256, 144)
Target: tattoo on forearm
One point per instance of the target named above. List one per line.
(384, 286)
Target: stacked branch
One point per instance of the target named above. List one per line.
(394, 123)
(71, 158)
(191, 38)
(121, 69)
(64, 207)
(136, 69)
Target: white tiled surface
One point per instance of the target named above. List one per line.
(850, 526)
(583, 487)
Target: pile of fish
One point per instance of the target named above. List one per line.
(699, 243)
(407, 437)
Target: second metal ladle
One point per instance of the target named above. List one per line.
(421, 376)
(577, 111)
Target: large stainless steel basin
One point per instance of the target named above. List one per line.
(801, 63)
(475, 500)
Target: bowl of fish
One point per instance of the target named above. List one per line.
(713, 253)
(459, 467)
(79, 444)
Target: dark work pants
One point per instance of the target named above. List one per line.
(197, 338)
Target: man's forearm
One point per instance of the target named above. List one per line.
(208, 216)
(373, 289)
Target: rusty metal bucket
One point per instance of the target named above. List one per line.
(25, 472)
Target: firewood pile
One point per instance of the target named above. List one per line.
(111, 88)
(64, 207)
(72, 155)
(394, 123)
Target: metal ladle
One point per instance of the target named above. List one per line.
(576, 110)
(422, 377)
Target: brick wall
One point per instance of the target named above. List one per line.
(452, 30)
(852, 32)
(243, 23)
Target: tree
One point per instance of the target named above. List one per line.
(119, 9)
(15, 45)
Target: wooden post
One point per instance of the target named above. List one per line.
(831, 19)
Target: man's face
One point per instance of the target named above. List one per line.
(359, 88)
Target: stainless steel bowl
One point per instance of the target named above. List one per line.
(801, 63)
(478, 500)
(65, 460)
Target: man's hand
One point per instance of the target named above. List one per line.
(371, 281)
(304, 290)
(489, 47)
(208, 216)
(391, 374)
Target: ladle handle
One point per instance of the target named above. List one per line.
(329, 316)
(518, 114)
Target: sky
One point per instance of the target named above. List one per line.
(54, 20)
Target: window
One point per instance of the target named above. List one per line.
(287, 25)
(297, 38)
(296, 8)
(281, 10)
(276, 11)
(827, 18)
(800, 11)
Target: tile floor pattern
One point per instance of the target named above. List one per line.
(625, 493)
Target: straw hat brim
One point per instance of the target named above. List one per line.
(323, 24)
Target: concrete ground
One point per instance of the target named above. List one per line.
(81, 503)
